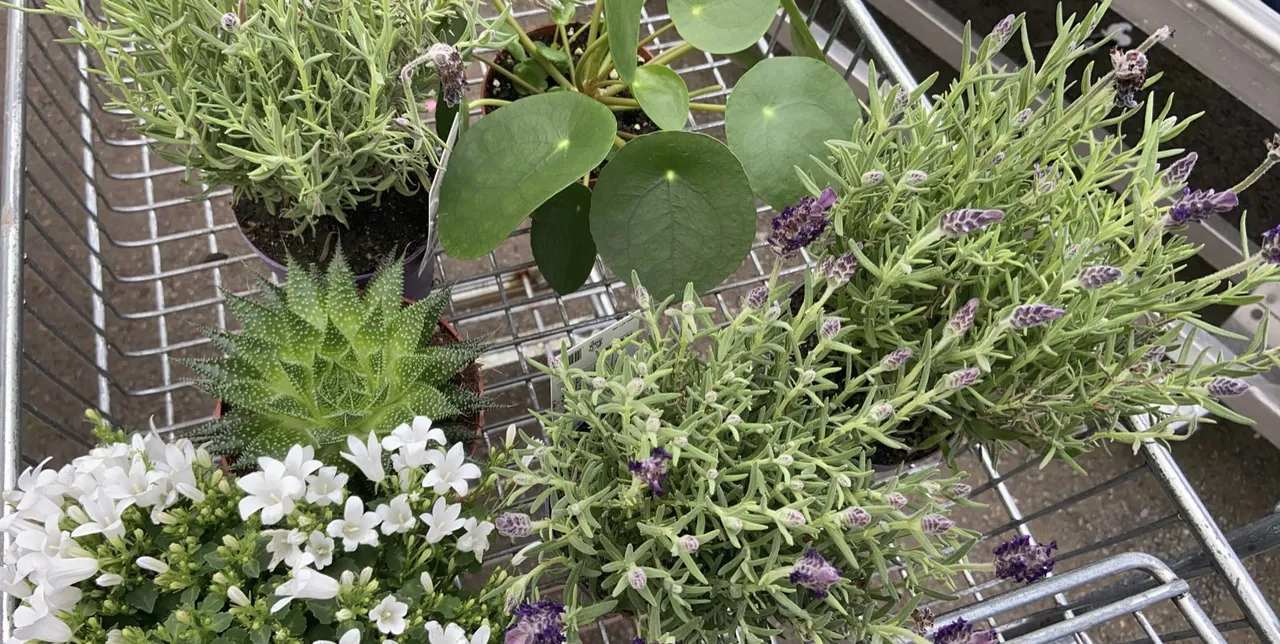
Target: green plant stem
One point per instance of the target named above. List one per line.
(585, 70)
(489, 101)
(710, 89)
(631, 103)
(568, 51)
(671, 54)
(654, 36)
(510, 76)
(532, 49)
(707, 107)
(593, 27)
(1253, 177)
(617, 141)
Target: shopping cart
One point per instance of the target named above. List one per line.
(110, 266)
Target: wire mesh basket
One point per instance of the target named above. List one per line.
(112, 265)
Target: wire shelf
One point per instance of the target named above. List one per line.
(115, 265)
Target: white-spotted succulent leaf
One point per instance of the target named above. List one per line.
(317, 361)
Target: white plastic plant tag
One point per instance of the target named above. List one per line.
(583, 355)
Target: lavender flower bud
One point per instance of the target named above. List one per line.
(516, 525)
(961, 632)
(901, 99)
(1022, 118)
(1046, 178)
(1178, 173)
(807, 376)
(915, 177)
(872, 177)
(1223, 387)
(733, 420)
(680, 441)
(896, 359)
(1273, 148)
(936, 524)
(838, 270)
(1155, 354)
(711, 397)
(898, 501)
(653, 470)
(713, 474)
(1021, 560)
(688, 308)
(1002, 31)
(961, 490)
(785, 460)
(844, 481)
(598, 382)
(1271, 245)
(798, 226)
(855, 518)
(963, 378)
(813, 572)
(733, 524)
(796, 485)
(830, 328)
(229, 22)
(958, 223)
(999, 158)
(881, 412)
(1098, 276)
(635, 387)
(774, 312)
(791, 517)
(652, 424)
(642, 297)
(1195, 207)
(1030, 315)
(757, 297)
(637, 578)
(962, 320)
(689, 543)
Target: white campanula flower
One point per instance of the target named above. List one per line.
(410, 457)
(320, 548)
(103, 514)
(108, 580)
(350, 637)
(453, 634)
(305, 584)
(273, 491)
(476, 538)
(389, 614)
(356, 527)
(396, 516)
(36, 620)
(286, 546)
(152, 564)
(427, 584)
(367, 456)
(37, 496)
(326, 486)
(450, 470)
(180, 458)
(416, 434)
(137, 483)
(443, 520)
(301, 462)
(13, 584)
(237, 596)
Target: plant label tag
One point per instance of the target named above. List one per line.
(583, 355)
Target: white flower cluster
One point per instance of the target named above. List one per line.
(44, 562)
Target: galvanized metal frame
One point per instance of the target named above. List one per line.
(492, 296)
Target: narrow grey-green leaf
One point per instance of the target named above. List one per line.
(675, 207)
(663, 96)
(780, 113)
(560, 237)
(623, 19)
(722, 26)
(514, 159)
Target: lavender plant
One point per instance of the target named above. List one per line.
(698, 480)
(1009, 237)
(301, 105)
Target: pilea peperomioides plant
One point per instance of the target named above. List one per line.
(317, 361)
(698, 480)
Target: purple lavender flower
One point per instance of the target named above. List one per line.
(516, 525)
(652, 470)
(872, 177)
(838, 270)
(958, 223)
(813, 572)
(1273, 148)
(1180, 170)
(1046, 178)
(855, 518)
(1002, 31)
(881, 411)
(538, 623)
(1021, 560)
(1156, 353)
(936, 524)
(963, 377)
(1195, 207)
(961, 632)
(1271, 245)
(1224, 387)
(1021, 118)
(898, 501)
(961, 490)
(1130, 75)
(1029, 315)
(1098, 276)
(757, 297)
(797, 226)
(642, 297)
(896, 359)
(637, 578)
(830, 328)
(963, 318)
(915, 177)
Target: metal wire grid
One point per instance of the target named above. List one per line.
(123, 263)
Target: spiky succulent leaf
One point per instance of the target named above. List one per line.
(318, 361)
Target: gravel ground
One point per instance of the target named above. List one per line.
(1232, 469)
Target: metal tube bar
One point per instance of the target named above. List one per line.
(12, 212)
(881, 50)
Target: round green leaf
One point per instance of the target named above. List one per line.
(722, 26)
(623, 19)
(675, 207)
(514, 159)
(780, 113)
(662, 95)
(560, 237)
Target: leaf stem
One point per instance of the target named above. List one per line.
(671, 54)
(710, 89)
(510, 76)
(568, 51)
(654, 36)
(707, 107)
(497, 102)
(532, 49)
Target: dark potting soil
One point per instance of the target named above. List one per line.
(499, 86)
(386, 225)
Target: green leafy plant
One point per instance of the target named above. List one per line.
(310, 107)
(673, 206)
(318, 361)
(698, 480)
(1008, 232)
